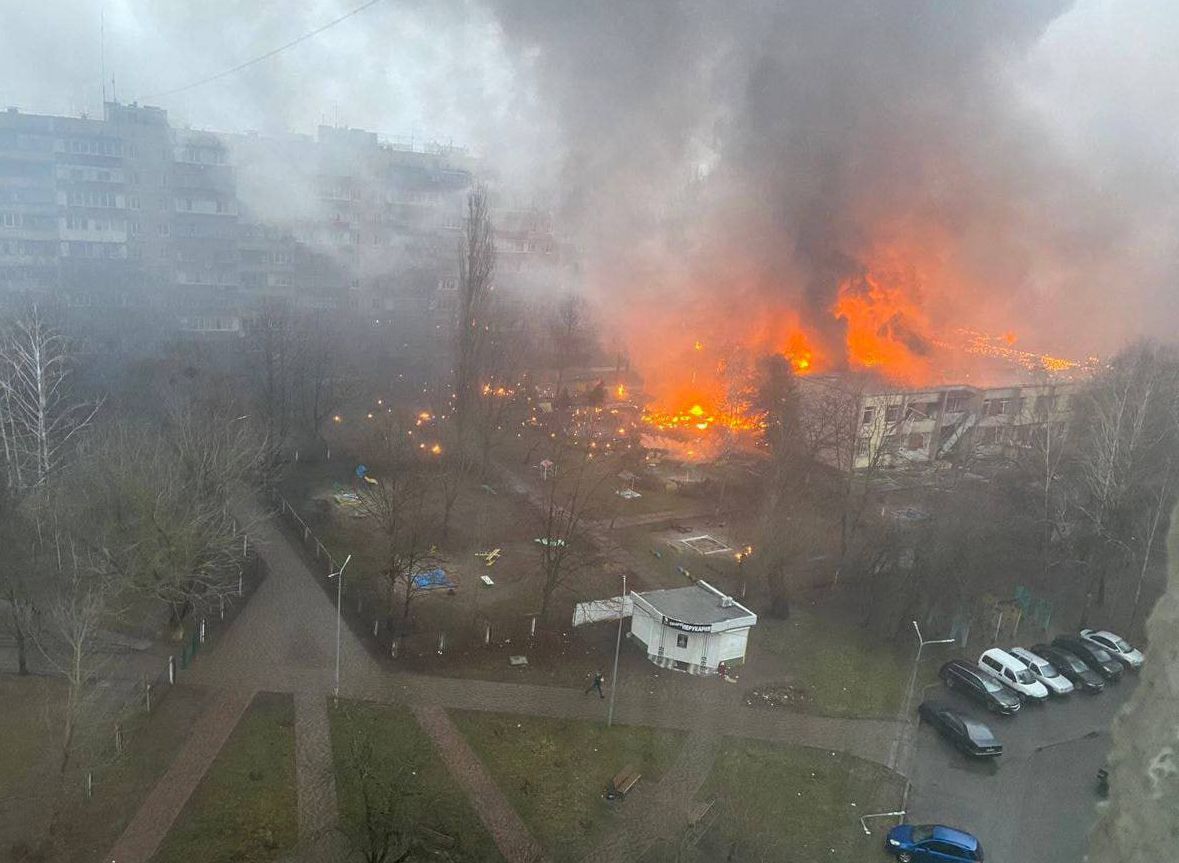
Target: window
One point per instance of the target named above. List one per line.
(918, 441)
(892, 414)
(681, 640)
(863, 445)
(869, 415)
(949, 850)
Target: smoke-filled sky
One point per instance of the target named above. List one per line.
(853, 168)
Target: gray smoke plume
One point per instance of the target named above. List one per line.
(1011, 163)
(726, 160)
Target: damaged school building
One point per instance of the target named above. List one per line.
(896, 428)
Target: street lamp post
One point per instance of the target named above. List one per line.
(617, 647)
(908, 705)
(339, 576)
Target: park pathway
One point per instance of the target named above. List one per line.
(143, 836)
(284, 640)
(505, 826)
(314, 769)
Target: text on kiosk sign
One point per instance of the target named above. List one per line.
(686, 627)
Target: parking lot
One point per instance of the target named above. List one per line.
(1035, 804)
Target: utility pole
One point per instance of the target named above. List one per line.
(617, 647)
(907, 707)
(339, 576)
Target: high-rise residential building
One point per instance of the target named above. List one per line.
(130, 211)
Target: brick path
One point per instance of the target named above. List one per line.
(142, 837)
(509, 832)
(313, 766)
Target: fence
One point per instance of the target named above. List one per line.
(996, 620)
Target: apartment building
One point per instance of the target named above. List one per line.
(128, 210)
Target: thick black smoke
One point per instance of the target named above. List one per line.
(757, 155)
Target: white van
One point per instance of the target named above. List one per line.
(1044, 671)
(1014, 674)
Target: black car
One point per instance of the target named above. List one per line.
(1092, 655)
(967, 734)
(1082, 676)
(982, 686)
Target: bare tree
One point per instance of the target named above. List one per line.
(323, 379)
(564, 547)
(392, 800)
(40, 416)
(276, 344)
(1043, 459)
(1125, 435)
(472, 325)
(567, 333)
(153, 512)
(17, 581)
(398, 506)
(73, 620)
(849, 430)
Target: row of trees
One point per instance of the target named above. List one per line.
(111, 524)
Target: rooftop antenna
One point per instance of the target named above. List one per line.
(102, 50)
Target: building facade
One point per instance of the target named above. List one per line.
(692, 629)
(898, 428)
(128, 210)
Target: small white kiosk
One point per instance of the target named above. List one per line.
(691, 629)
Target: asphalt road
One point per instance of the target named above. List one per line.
(1034, 804)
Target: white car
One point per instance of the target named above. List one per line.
(1014, 674)
(1044, 671)
(1117, 647)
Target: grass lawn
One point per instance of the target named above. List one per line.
(26, 753)
(245, 809)
(87, 827)
(554, 771)
(397, 741)
(790, 803)
(843, 670)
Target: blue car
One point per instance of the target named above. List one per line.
(926, 843)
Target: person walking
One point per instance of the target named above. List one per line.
(597, 684)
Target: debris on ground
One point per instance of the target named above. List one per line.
(780, 695)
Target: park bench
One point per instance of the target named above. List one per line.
(700, 818)
(622, 783)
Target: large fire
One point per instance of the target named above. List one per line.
(701, 383)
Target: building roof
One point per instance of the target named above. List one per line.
(700, 604)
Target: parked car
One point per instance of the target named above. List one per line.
(1115, 646)
(1044, 671)
(1014, 674)
(967, 734)
(982, 686)
(1070, 666)
(927, 843)
(1095, 657)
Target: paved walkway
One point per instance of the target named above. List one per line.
(318, 810)
(142, 837)
(509, 832)
(284, 640)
